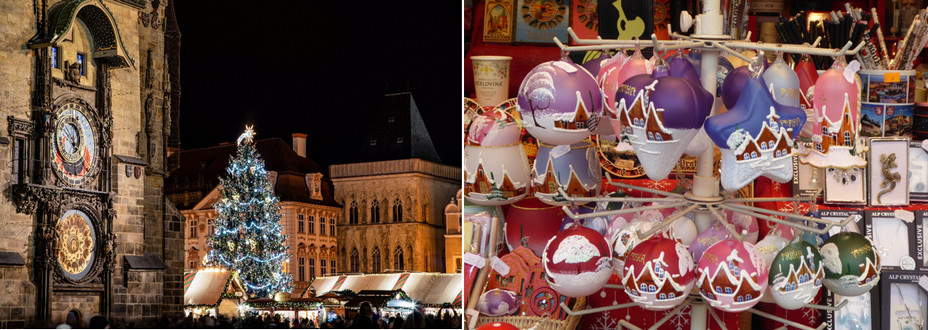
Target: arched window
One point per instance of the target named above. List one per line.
(671, 296)
(727, 290)
(740, 299)
(746, 156)
(658, 137)
(753, 154)
(770, 144)
(398, 258)
(650, 136)
(747, 297)
(375, 212)
(763, 146)
(353, 214)
(635, 121)
(847, 138)
(397, 210)
(651, 288)
(375, 260)
(644, 287)
(662, 296)
(355, 261)
(718, 289)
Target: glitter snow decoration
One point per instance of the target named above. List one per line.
(658, 274)
(576, 262)
(732, 276)
(560, 103)
(796, 275)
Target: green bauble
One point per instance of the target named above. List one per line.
(795, 275)
(852, 266)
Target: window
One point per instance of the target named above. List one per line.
(650, 136)
(746, 156)
(332, 265)
(740, 299)
(399, 140)
(375, 260)
(770, 144)
(373, 142)
(651, 288)
(662, 296)
(847, 138)
(375, 212)
(391, 119)
(747, 297)
(763, 146)
(332, 226)
(727, 290)
(83, 63)
(312, 268)
(658, 137)
(398, 258)
(18, 157)
(55, 51)
(302, 269)
(671, 296)
(353, 214)
(312, 225)
(192, 231)
(644, 287)
(322, 226)
(193, 265)
(209, 227)
(753, 154)
(323, 269)
(397, 210)
(355, 261)
(300, 223)
(777, 153)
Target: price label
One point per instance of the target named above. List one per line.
(904, 215)
(925, 145)
(499, 266)
(475, 260)
(891, 77)
(851, 70)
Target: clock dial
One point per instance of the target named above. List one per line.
(76, 244)
(75, 149)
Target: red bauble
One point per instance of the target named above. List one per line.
(658, 274)
(498, 326)
(577, 262)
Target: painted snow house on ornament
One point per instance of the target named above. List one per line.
(796, 275)
(658, 274)
(735, 284)
(838, 138)
(577, 172)
(484, 185)
(752, 141)
(661, 115)
(837, 111)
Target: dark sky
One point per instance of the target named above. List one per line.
(317, 67)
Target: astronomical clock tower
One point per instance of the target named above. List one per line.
(91, 89)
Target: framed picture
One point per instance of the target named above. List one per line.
(918, 172)
(584, 19)
(497, 21)
(902, 302)
(806, 179)
(845, 186)
(540, 21)
(888, 171)
(891, 239)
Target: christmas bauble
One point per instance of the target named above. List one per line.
(795, 275)
(783, 83)
(577, 262)
(498, 302)
(574, 168)
(682, 68)
(805, 71)
(560, 102)
(493, 129)
(609, 83)
(626, 239)
(533, 221)
(594, 65)
(658, 274)
(632, 66)
(734, 83)
(707, 238)
(732, 276)
(495, 175)
(852, 266)
(837, 121)
(498, 326)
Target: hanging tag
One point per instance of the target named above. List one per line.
(852, 69)
(891, 77)
(475, 260)
(474, 314)
(560, 150)
(923, 282)
(499, 266)
(904, 215)
(565, 66)
(925, 145)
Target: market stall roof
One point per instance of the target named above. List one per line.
(207, 286)
(377, 298)
(293, 303)
(430, 289)
(188, 278)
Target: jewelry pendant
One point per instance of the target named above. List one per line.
(887, 163)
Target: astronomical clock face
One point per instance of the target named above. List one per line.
(76, 244)
(75, 146)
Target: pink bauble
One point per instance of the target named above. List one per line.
(626, 240)
(498, 302)
(560, 103)
(494, 128)
(659, 274)
(633, 66)
(732, 276)
(608, 80)
(576, 262)
(744, 223)
(832, 93)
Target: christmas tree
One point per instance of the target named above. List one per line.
(249, 238)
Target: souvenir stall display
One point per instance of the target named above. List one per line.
(790, 212)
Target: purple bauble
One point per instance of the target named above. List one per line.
(707, 238)
(560, 102)
(498, 302)
(734, 83)
(682, 68)
(595, 64)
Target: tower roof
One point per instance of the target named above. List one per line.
(398, 132)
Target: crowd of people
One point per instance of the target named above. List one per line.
(365, 318)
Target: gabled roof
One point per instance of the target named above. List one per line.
(200, 170)
(399, 133)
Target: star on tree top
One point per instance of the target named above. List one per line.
(247, 136)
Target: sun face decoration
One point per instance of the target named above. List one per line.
(77, 244)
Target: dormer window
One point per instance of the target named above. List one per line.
(56, 57)
(314, 184)
(83, 63)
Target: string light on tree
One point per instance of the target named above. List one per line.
(248, 236)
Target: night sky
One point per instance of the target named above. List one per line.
(317, 67)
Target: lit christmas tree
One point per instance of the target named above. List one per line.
(249, 238)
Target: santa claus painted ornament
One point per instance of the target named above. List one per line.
(576, 262)
(852, 266)
(660, 115)
(796, 275)
(658, 274)
(498, 302)
(732, 276)
(560, 103)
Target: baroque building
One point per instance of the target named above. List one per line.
(395, 196)
(91, 89)
(309, 213)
